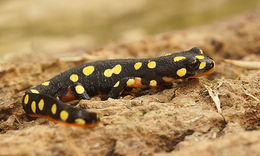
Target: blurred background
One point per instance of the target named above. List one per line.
(55, 25)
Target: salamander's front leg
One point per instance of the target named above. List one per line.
(80, 91)
(136, 82)
(119, 86)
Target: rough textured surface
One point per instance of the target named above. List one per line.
(182, 120)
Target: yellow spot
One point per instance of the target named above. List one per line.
(41, 104)
(167, 54)
(202, 65)
(64, 115)
(26, 99)
(46, 83)
(117, 69)
(117, 84)
(138, 65)
(178, 58)
(151, 64)
(57, 98)
(88, 70)
(79, 89)
(74, 77)
(181, 72)
(108, 73)
(54, 109)
(153, 83)
(33, 106)
(200, 57)
(80, 121)
(130, 82)
(35, 91)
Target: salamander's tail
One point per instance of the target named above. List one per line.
(39, 105)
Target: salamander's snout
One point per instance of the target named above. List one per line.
(206, 67)
(212, 64)
(197, 63)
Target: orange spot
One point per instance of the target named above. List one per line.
(131, 92)
(65, 123)
(138, 83)
(154, 86)
(69, 96)
(95, 99)
(168, 79)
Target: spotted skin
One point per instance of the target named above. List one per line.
(110, 77)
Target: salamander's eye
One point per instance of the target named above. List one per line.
(193, 64)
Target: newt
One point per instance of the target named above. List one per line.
(111, 77)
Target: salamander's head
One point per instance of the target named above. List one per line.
(191, 64)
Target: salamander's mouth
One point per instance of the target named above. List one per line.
(209, 71)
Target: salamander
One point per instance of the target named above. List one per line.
(111, 77)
